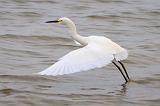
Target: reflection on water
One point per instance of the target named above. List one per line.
(28, 45)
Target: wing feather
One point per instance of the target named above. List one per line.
(88, 57)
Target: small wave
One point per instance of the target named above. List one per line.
(115, 16)
(29, 14)
(7, 91)
(111, 1)
(21, 78)
(45, 38)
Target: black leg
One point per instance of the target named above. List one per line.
(120, 71)
(124, 69)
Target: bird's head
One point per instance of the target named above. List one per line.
(62, 20)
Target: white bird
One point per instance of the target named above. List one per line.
(97, 51)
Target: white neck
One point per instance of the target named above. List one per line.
(75, 35)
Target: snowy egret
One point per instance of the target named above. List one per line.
(97, 51)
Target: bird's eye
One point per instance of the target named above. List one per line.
(60, 20)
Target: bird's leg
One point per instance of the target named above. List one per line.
(120, 71)
(124, 69)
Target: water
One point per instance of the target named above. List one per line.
(28, 45)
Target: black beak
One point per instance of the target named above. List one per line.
(56, 21)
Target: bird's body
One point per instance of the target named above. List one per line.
(97, 51)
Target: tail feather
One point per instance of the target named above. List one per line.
(121, 56)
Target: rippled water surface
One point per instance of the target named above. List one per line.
(28, 45)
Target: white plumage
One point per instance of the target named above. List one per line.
(98, 51)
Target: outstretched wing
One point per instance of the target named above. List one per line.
(88, 57)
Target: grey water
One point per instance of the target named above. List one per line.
(29, 45)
